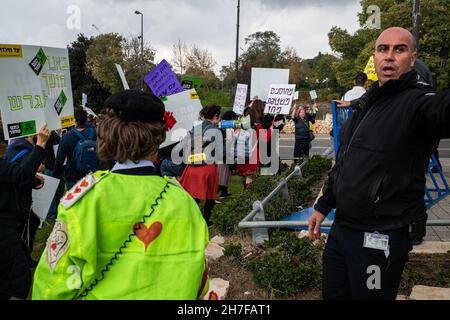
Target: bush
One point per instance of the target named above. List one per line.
(290, 266)
(233, 250)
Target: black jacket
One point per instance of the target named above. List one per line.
(15, 278)
(385, 146)
(20, 193)
(65, 151)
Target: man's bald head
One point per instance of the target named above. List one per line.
(395, 54)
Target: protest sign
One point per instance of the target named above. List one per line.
(35, 88)
(191, 82)
(185, 107)
(122, 77)
(279, 99)
(162, 81)
(313, 94)
(263, 78)
(42, 198)
(370, 70)
(240, 98)
(296, 95)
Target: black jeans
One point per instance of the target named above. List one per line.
(351, 271)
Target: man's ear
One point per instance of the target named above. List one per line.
(414, 58)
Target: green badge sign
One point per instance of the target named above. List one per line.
(26, 128)
(60, 102)
(38, 61)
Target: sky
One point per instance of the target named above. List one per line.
(209, 24)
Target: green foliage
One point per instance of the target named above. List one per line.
(214, 96)
(233, 250)
(101, 57)
(81, 79)
(434, 42)
(291, 265)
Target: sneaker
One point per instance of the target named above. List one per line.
(217, 201)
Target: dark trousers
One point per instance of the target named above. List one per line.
(207, 209)
(351, 271)
(301, 148)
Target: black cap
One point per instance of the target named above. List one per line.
(136, 105)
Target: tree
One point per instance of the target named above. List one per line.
(434, 42)
(179, 51)
(105, 51)
(199, 61)
(81, 79)
(135, 65)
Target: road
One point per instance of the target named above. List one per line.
(323, 141)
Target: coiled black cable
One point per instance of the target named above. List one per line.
(85, 292)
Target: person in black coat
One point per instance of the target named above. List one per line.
(15, 276)
(302, 133)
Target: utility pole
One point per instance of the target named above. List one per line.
(417, 19)
(142, 43)
(237, 44)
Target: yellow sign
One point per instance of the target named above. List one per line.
(196, 157)
(67, 121)
(194, 96)
(370, 70)
(10, 51)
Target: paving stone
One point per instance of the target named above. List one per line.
(430, 293)
(217, 287)
(432, 247)
(213, 251)
(218, 240)
(401, 297)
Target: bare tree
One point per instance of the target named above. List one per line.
(179, 51)
(200, 60)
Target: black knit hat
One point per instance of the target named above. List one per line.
(136, 105)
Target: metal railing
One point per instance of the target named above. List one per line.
(256, 221)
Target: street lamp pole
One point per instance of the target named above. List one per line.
(142, 42)
(237, 44)
(417, 17)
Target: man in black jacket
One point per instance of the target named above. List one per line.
(377, 184)
(65, 162)
(15, 276)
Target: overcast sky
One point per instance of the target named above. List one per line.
(211, 24)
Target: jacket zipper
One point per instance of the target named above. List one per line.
(356, 130)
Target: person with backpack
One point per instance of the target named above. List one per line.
(15, 275)
(200, 178)
(78, 149)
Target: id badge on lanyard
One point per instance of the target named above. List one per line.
(376, 241)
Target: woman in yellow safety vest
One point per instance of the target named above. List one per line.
(126, 233)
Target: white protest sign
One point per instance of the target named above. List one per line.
(263, 78)
(185, 107)
(296, 95)
(35, 88)
(313, 94)
(42, 198)
(122, 76)
(240, 98)
(279, 99)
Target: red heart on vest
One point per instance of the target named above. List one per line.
(54, 245)
(69, 196)
(77, 190)
(84, 184)
(147, 235)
